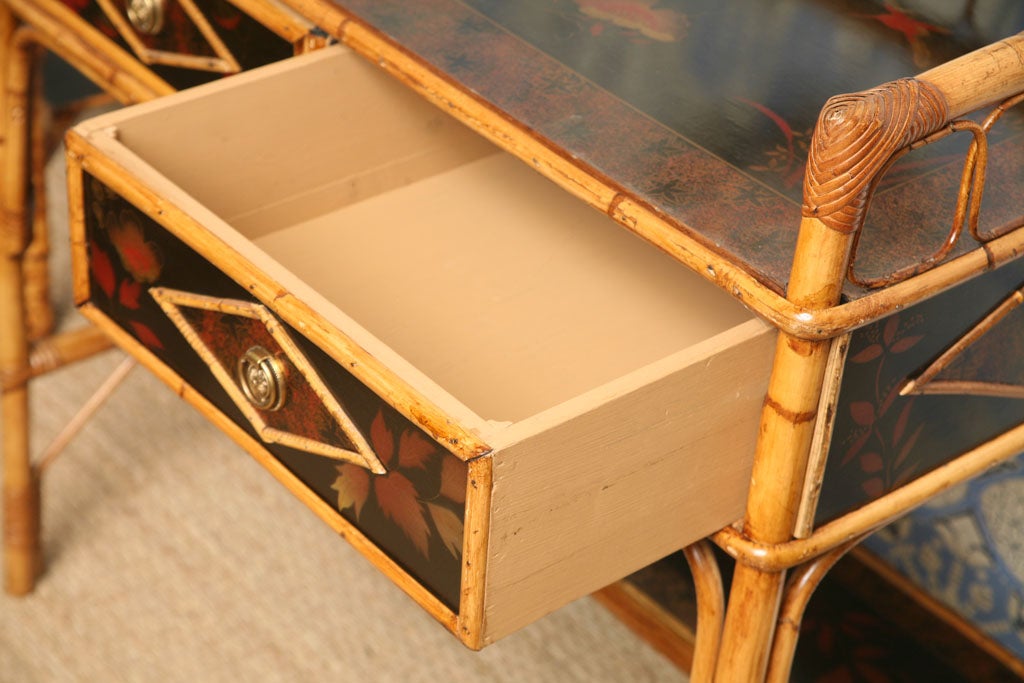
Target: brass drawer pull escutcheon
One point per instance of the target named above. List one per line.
(261, 376)
(147, 16)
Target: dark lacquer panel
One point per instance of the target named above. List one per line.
(883, 439)
(704, 108)
(414, 513)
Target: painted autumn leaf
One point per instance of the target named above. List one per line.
(868, 354)
(395, 493)
(145, 335)
(449, 527)
(399, 502)
(382, 441)
(863, 413)
(414, 450)
(353, 487)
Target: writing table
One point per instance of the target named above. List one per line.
(498, 395)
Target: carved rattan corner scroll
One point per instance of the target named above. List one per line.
(861, 135)
(854, 139)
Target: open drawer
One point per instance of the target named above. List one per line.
(503, 399)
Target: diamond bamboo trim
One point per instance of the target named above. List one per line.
(224, 62)
(171, 301)
(931, 381)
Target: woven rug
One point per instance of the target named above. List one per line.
(172, 556)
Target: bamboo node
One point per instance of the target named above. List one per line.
(790, 416)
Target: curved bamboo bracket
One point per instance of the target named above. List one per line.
(707, 580)
(777, 557)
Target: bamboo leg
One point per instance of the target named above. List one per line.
(773, 503)
(799, 590)
(710, 609)
(20, 482)
(38, 307)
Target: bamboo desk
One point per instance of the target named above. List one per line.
(894, 339)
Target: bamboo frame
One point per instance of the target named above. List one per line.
(925, 382)
(822, 436)
(874, 515)
(283, 21)
(67, 35)
(85, 413)
(56, 351)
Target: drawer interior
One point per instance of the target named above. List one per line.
(505, 291)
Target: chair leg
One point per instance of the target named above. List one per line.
(39, 317)
(20, 481)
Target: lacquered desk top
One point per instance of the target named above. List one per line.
(702, 110)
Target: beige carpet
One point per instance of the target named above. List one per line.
(172, 556)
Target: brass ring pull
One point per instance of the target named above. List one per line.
(262, 378)
(147, 16)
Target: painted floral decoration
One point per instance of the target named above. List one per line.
(883, 441)
(135, 260)
(914, 31)
(399, 495)
(642, 16)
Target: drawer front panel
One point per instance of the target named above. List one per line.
(414, 512)
(191, 47)
(883, 439)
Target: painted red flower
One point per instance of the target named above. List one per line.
(911, 28)
(914, 31)
(395, 494)
(138, 256)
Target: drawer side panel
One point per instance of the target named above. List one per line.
(600, 496)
